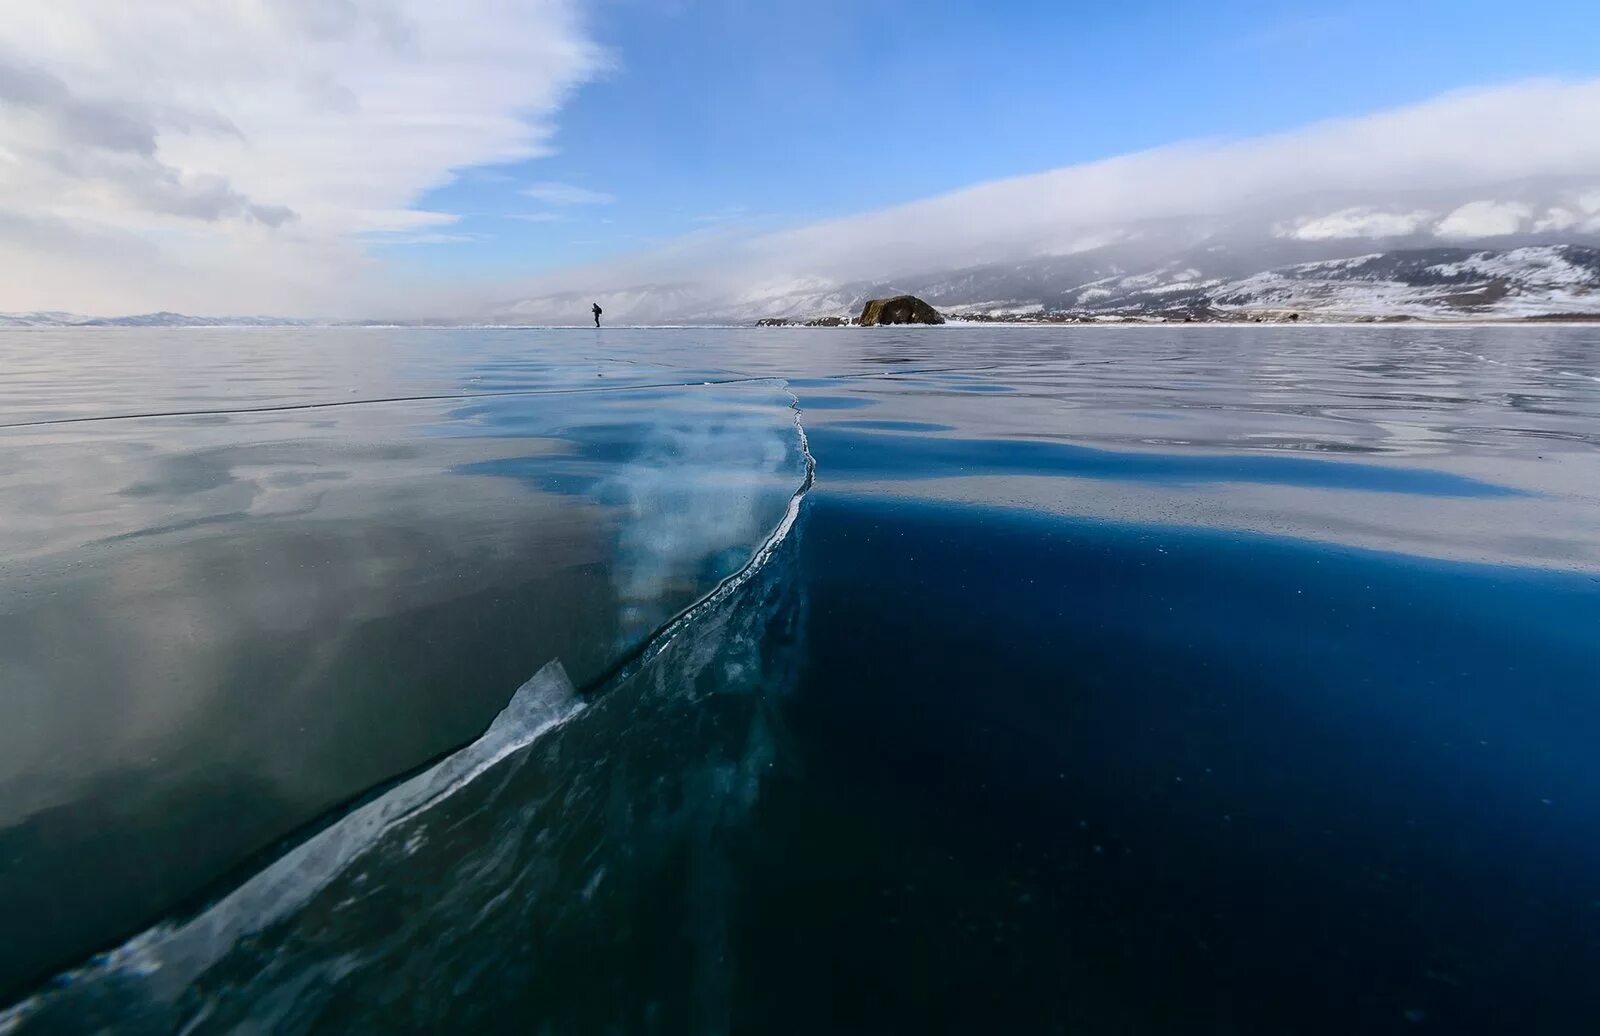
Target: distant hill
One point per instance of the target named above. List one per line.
(58, 319)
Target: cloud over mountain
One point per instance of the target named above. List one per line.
(1495, 163)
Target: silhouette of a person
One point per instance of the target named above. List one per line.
(596, 308)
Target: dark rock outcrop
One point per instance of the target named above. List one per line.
(813, 322)
(902, 309)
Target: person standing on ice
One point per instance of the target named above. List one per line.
(596, 308)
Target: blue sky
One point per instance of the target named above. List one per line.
(783, 112)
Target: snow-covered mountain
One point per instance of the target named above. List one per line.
(1425, 283)
(1556, 280)
(1429, 283)
(1206, 282)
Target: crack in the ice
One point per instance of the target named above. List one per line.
(169, 955)
(654, 644)
(460, 396)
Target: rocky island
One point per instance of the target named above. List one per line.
(899, 309)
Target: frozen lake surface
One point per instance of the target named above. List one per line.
(1211, 679)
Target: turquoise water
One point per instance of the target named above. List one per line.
(1154, 680)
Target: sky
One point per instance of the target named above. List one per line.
(371, 158)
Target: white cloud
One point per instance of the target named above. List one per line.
(1436, 156)
(1355, 223)
(247, 149)
(391, 240)
(552, 193)
(1558, 219)
(1484, 219)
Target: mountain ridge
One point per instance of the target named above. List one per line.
(1437, 283)
(1201, 283)
(1204, 283)
(164, 318)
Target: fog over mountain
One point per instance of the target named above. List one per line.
(1491, 170)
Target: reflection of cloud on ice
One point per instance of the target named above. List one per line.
(697, 500)
(149, 561)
